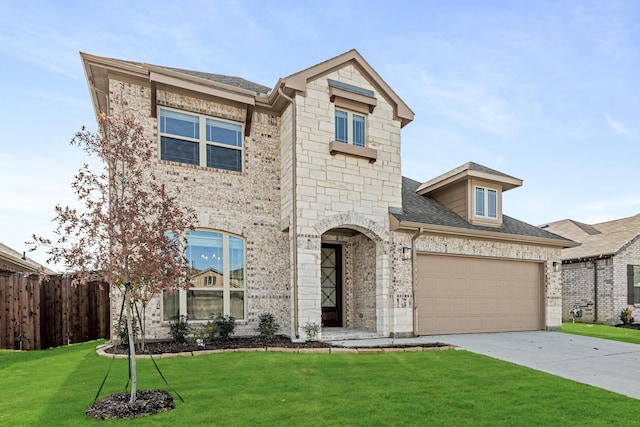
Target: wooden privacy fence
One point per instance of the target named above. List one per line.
(35, 315)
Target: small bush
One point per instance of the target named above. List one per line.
(179, 329)
(626, 316)
(311, 329)
(226, 326)
(209, 332)
(267, 326)
(121, 331)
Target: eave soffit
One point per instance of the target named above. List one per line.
(465, 173)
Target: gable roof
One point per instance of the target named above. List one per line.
(469, 170)
(298, 81)
(423, 211)
(98, 69)
(600, 240)
(15, 262)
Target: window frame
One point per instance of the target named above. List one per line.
(226, 289)
(633, 285)
(351, 126)
(202, 139)
(486, 205)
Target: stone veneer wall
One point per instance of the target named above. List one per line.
(344, 190)
(401, 289)
(245, 203)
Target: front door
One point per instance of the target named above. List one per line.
(331, 285)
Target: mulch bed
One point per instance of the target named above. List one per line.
(635, 326)
(117, 405)
(230, 344)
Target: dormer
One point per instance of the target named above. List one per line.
(472, 191)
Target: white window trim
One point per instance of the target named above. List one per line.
(226, 287)
(350, 114)
(485, 214)
(202, 141)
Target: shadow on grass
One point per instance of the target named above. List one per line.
(68, 404)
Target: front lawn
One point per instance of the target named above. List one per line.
(436, 388)
(602, 331)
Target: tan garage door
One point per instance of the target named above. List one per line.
(457, 295)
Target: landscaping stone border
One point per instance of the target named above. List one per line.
(328, 350)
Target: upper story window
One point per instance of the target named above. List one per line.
(217, 266)
(350, 127)
(196, 139)
(486, 202)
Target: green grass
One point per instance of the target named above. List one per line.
(437, 388)
(602, 331)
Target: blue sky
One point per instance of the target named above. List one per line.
(546, 91)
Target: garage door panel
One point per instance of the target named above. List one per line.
(469, 295)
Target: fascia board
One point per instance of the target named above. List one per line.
(487, 235)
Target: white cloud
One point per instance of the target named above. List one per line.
(618, 127)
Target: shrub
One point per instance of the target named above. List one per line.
(209, 332)
(311, 329)
(121, 331)
(626, 316)
(267, 326)
(179, 329)
(226, 325)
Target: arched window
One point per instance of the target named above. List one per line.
(217, 263)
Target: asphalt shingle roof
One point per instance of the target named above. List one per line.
(597, 240)
(425, 210)
(238, 82)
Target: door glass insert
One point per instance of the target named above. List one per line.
(329, 277)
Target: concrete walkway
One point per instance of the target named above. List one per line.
(610, 365)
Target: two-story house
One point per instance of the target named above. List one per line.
(303, 211)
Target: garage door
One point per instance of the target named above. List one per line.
(456, 295)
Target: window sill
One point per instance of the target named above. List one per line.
(352, 150)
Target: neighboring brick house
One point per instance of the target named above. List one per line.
(303, 210)
(601, 277)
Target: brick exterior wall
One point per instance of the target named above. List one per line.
(628, 255)
(246, 204)
(611, 274)
(579, 291)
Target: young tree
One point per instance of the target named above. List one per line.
(131, 231)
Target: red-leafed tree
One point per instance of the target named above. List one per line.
(131, 230)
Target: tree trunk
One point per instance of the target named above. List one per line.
(132, 349)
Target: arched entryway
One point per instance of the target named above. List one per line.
(352, 276)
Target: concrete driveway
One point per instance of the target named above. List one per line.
(610, 365)
(607, 364)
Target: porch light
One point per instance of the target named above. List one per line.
(406, 253)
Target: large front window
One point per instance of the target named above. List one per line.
(350, 127)
(486, 202)
(217, 287)
(200, 140)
